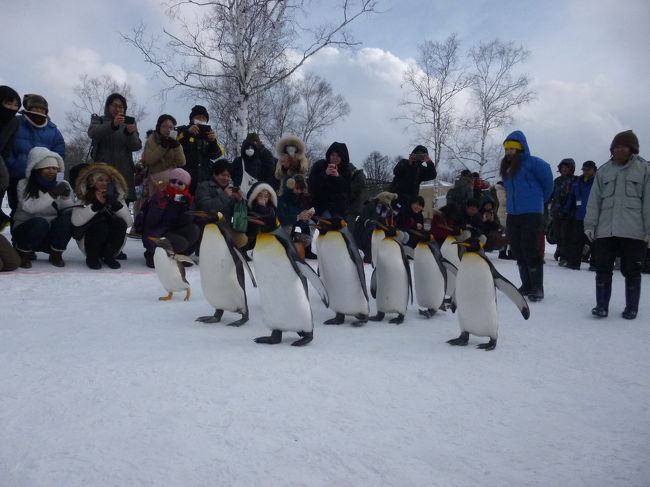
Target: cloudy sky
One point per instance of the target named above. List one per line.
(589, 64)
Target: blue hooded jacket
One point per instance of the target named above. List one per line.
(28, 137)
(532, 186)
(578, 197)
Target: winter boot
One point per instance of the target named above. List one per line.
(632, 295)
(524, 289)
(56, 258)
(25, 260)
(603, 293)
(536, 283)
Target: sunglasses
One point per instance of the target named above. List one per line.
(176, 181)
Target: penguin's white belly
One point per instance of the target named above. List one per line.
(168, 272)
(340, 276)
(449, 251)
(429, 281)
(285, 304)
(476, 297)
(392, 279)
(219, 280)
(377, 236)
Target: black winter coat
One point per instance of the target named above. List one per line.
(408, 176)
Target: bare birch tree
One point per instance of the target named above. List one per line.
(432, 86)
(253, 44)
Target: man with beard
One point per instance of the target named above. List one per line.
(618, 221)
(528, 181)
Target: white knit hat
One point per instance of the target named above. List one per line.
(47, 161)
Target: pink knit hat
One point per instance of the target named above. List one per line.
(181, 175)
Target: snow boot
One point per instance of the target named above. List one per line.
(25, 258)
(536, 283)
(603, 293)
(524, 289)
(56, 258)
(632, 295)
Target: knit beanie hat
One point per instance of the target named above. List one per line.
(32, 101)
(162, 119)
(254, 137)
(420, 149)
(589, 165)
(628, 139)
(47, 161)
(513, 144)
(220, 166)
(199, 110)
(386, 198)
(115, 96)
(181, 175)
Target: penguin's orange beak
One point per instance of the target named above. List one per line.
(154, 239)
(255, 220)
(201, 214)
(464, 244)
(327, 222)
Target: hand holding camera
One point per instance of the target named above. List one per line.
(60, 190)
(331, 170)
(180, 198)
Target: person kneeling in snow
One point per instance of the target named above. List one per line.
(100, 223)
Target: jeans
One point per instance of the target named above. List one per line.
(39, 234)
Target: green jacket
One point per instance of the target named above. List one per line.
(619, 202)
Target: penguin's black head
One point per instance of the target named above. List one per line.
(164, 244)
(211, 216)
(330, 224)
(472, 244)
(267, 223)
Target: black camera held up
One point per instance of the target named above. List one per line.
(128, 120)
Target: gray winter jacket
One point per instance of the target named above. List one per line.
(115, 147)
(619, 202)
(210, 196)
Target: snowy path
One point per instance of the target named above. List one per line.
(102, 385)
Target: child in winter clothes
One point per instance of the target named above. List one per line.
(262, 201)
(411, 218)
(295, 207)
(42, 219)
(165, 216)
(101, 221)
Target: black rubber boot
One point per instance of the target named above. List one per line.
(536, 283)
(603, 293)
(632, 295)
(524, 275)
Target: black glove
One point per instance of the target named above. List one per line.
(61, 189)
(97, 206)
(173, 143)
(116, 206)
(165, 142)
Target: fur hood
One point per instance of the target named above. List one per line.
(257, 188)
(298, 163)
(87, 174)
(37, 154)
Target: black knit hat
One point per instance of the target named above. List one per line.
(115, 96)
(567, 162)
(589, 165)
(220, 166)
(199, 110)
(628, 139)
(8, 94)
(162, 119)
(420, 149)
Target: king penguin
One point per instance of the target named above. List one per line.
(475, 296)
(282, 280)
(432, 281)
(391, 280)
(170, 269)
(341, 268)
(222, 266)
(452, 253)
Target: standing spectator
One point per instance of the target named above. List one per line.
(559, 224)
(115, 140)
(100, 222)
(162, 153)
(268, 162)
(9, 106)
(166, 216)
(251, 167)
(574, 212)
(200, 146)
(618, 221)
(529, 183)
(292, 160)
(409, 173)
(34, 130)
(42, 219)
(463, 189)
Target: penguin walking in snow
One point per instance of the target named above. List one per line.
(340, 266)
(390, 283)
(475, 296)
(432, 281)
(222, 267)
(282, 280)
(170, 269)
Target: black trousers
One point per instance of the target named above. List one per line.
(576, 241)
(525, 232)
(631, 251)
(105, 237)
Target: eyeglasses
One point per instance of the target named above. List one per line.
(176, 181)
(117, 105)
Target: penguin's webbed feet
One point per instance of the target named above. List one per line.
(462, 339)
(337, 320)
(378, 317)
(240, 321)
(398, 320)
(166, 298)
(361, 320)
(215, 318)
(307, 336)
(427, 313)
(276, 337)
(491, 345)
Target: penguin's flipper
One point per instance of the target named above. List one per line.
(183, 258)
(307, 272)
(353, 251)
(240, 256)
(450, 282)
(509, 289)
(407, 266)
(373, 284)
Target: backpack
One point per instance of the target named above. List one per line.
(240, 216)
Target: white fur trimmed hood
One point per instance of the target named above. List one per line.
(37, 154)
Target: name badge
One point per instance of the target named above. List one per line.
(579, 203)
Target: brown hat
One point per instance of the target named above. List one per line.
(386, 198)
(253, 136)
(626, 138)
(32, 101)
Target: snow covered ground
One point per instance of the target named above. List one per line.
(103, 385)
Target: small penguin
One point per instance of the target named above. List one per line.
(390, 283)
(432, 281)
(170, 269)
(282, 280)
(222, 268)
(341, 268)
(475, 296)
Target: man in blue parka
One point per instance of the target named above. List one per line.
(528, 181)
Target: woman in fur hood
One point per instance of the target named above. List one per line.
(100, 222)
(292, 159)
